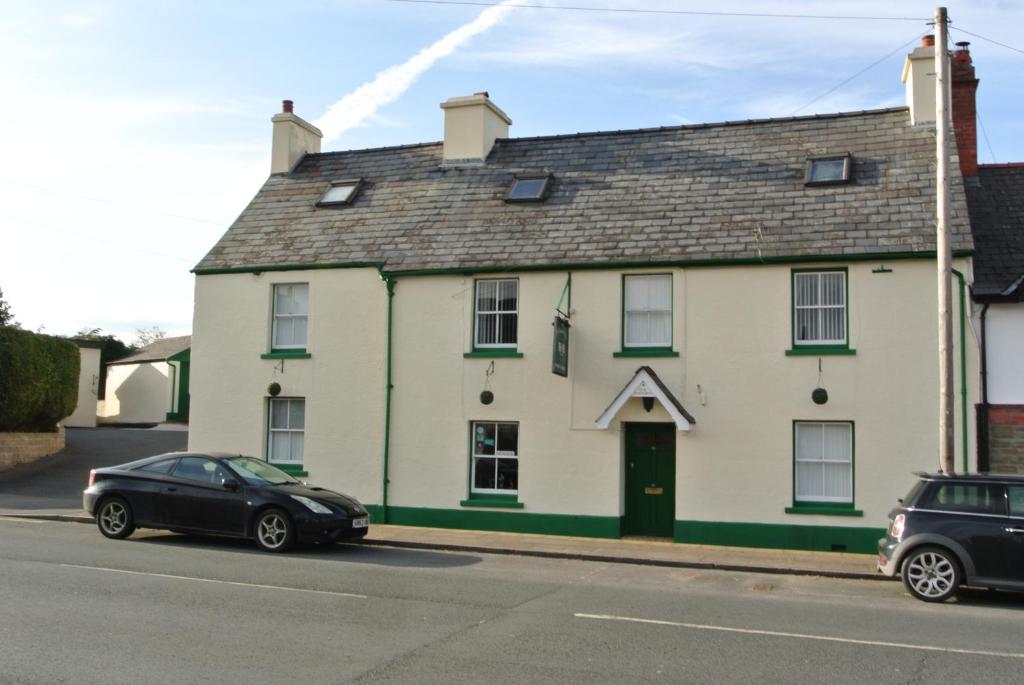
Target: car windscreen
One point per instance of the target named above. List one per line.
(257, 472)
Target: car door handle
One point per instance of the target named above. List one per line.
(1018, 531)
(172, 489)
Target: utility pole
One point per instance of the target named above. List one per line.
(944, 256)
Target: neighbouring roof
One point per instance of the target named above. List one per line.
(689, 193)
(996, 203)
(157, 351)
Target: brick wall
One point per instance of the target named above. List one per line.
(1006, 438)
(21, 448)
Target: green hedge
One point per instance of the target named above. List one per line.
(38, 380)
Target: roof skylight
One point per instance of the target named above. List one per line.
(529, 189)
(341, 193)
(828, 170)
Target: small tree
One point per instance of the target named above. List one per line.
(6, 317)
(147, 336)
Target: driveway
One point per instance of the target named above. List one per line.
(57, 481)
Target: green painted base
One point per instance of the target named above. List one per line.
(293, 470)
(779, 536)
(502, 521)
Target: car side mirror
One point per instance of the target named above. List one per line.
(230, 484)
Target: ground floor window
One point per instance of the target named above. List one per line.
(823, 462)
(286, 431)
(495, 458)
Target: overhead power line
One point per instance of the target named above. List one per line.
(638, 10)
(865, 69)
(91, 238)
(990, 40)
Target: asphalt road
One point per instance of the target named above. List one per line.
(159, 607)
(57, 481)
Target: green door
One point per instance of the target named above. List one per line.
(650, 479)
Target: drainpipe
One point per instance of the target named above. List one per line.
(963, 365)
(982, 421)
(389, 283)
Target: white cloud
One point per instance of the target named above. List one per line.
(391, 84)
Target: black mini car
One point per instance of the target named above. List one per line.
(220, 494)
(957, 529)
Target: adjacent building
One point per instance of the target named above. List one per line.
(150, 385)
(719, 333)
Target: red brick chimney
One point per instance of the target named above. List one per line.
(965, 114)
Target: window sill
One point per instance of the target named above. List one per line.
(502, 352)
(819, 351)
(294, 470)
(285, 354)
(646, 352)
(824, 510)
(493, 502)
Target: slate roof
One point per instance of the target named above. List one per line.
(689, 193)
(996, 203)
(157, 351)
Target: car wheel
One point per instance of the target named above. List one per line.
(274, 531)
(115, 519)
(931, 574)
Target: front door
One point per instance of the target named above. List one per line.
(650, 479)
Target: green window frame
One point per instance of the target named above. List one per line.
(647, 317)
(819, 312)
(495, 318)
(494, 460)
(289, 328)
(824, 468)
(286, 432)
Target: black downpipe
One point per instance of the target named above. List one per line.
(981, 415)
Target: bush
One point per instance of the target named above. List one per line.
(38, 381)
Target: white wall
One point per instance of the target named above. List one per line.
(1004, 331)
(84, 415)
(137, 393)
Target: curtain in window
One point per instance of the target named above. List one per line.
(820, 307)
(497, 318)
(291, 308)
(824, 462)
(287, 430)
(648, 311)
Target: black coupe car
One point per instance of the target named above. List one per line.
(221, 494)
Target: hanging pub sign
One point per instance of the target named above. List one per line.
(560, 347)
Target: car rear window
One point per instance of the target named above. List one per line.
(971, 498)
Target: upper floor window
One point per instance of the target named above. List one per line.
(291, 313)
(819, 308)
(497, 313)
(647, 311)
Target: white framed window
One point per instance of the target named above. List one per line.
(497, 313)
(647, 310)
(823, 462)
(286, 431)
(495, 458)
(819, 308)
(291, 315)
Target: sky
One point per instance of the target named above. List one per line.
(134, 132)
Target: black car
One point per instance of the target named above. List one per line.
(221, 494)
(956, 529)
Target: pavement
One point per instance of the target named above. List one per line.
(51, 489)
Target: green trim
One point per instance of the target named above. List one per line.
(804, 505)
(286, 354)
(820, 351)
(493, 501)
(779, 536)
(294, 470)
(963, 370)
(503, 521)
(646, 352)
(285, 267)
(622, 320)
(183, 356)
(575, 266)
(175, 416)
(494, 352)
(823, 509)
(389, 284)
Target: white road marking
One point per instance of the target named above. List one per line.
(24, 520)
(213, 580)
(801, 636)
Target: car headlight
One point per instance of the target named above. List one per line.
(312, 505)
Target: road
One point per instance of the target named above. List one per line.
(76, 607)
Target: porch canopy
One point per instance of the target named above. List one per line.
(645, 383)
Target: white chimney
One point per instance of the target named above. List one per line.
(919, 78)
(471, 125)
(293, 137)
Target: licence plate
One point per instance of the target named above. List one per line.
(361, 522)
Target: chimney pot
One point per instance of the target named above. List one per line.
(293, 137)
(928, 41)
(287, 106)
(484, 93)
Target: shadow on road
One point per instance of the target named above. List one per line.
(350, 553)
